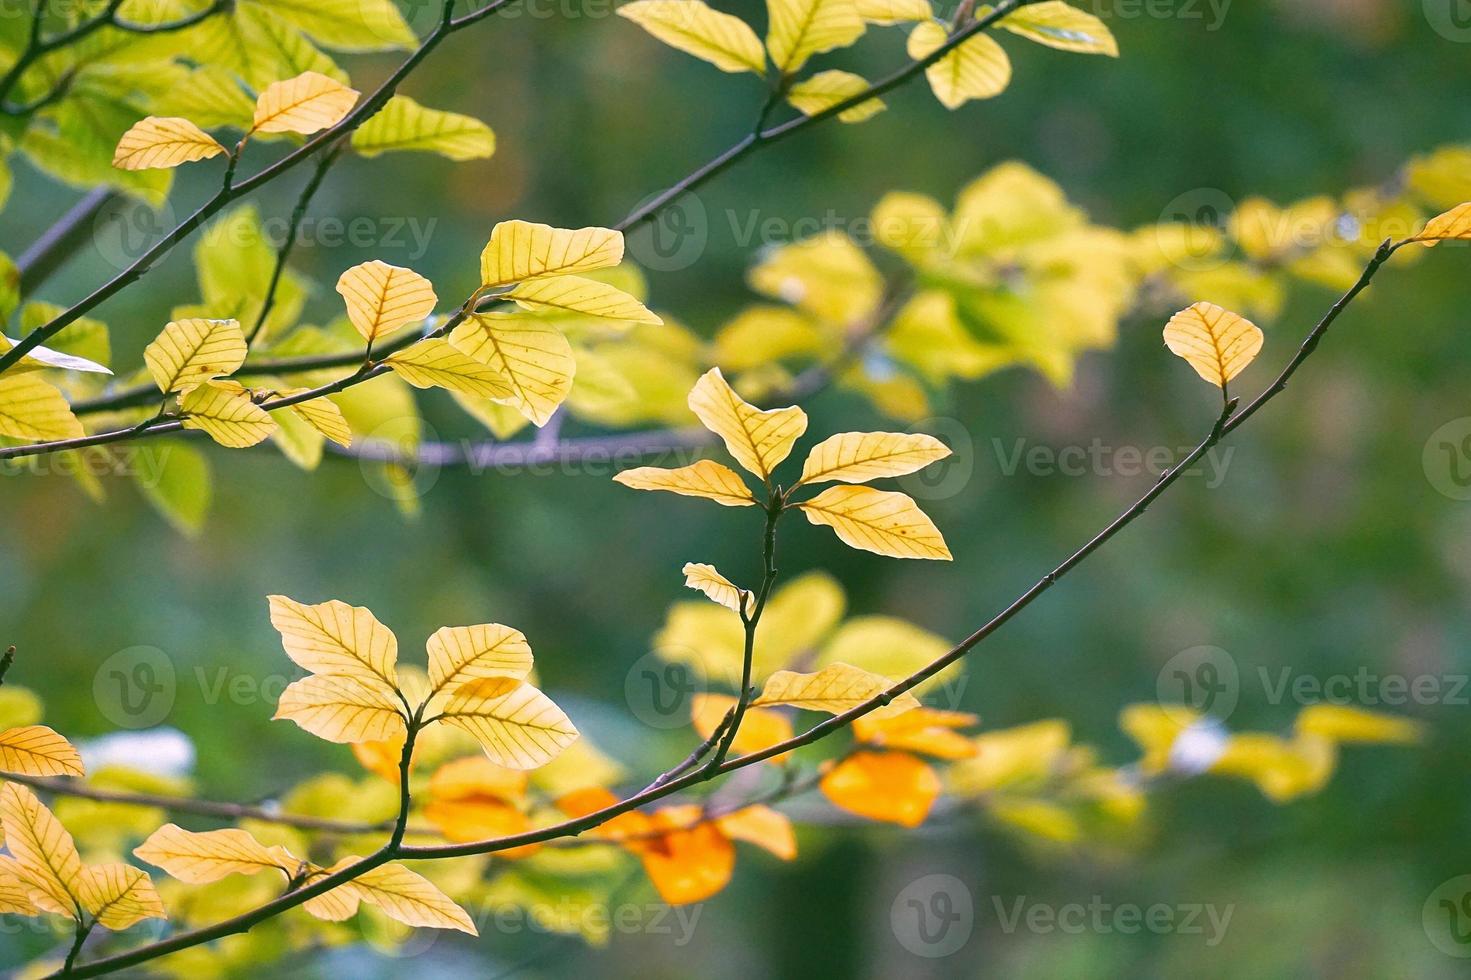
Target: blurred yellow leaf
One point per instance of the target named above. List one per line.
(799, 29)
(925, 730)
(323, 415)
(827, 276)
(1219, 344)
(1011, 757)
(192, 351)
(886, 13)
(891, 786)
(826, 89)
(32, 409)
(977, 69)
(693, 27)
(381, 298)
(705, 478)
(761, 825)
(883, 522)
(35, 750)
(835, 688)
(305, 104)
(761, 728)
(1344, 723)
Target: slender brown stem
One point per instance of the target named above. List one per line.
(289, 242)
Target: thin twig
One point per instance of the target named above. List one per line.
(284, 251)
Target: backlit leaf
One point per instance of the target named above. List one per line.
(719, 588)
(436, 363)
(32, 409)
(1346, 723)
(977, 69)
(458, 654)
(1455, 223)
(1217, 343)
(857, 457)
(381, 298)
(521, 250)
(889, 12)
(891, 786)
(35, 750)
(342, 709)
(119, 895)
(762, 826)
(532, 356)
(926, 730)
(323, 415)
(519, 729)
(1060, 25)
(691, 860)
(226, 415)
(39, 358)
(334, 638)
(761, 728)
(799, 29)
(192, 351)
(161, 142)
(45, 853)
(407, 897)
(15, 889)
(826, 89)
(305, 104)
(200, 858)
(404, 124)
(758, 440)
(884, 522)
(575, 294)
(835, 688)
(705, 478)
(693, 27)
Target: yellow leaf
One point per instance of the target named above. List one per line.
(160, 142)
(1062, 26)
(884, 522)
(35, 750)
(719, 588)
(758, 440)
(835, 688)
(575, 294)
(521, 250)
(476, 776)
(323, 415)
(1219, 344)
(857, 457)
(458, 654)
(726, 42)
(1455, 223)
(476, 818)
(762, 826)
(1011, 757)
(690, 860)
(1283, 770)
(887, 646)
(761, 334)
(827, 276)
(826, 89)
(226, 415)
(887, 13)
(342, 709)
(532, 356)
(119, 895)
(15, 889)
(926, 730)
(799, 29)
(404, 124)
(381, 298)
(192, 351)
(438, 363)
(45, 853)
(761, 728)
(406, 897)
(519, 729)
(892, 786)
(1343, 723)
(305, 104)
(1154, 728)
(703, 479)
(200, 858)
(335, 905)
(32, 409)
(977, 69)
(336, 639)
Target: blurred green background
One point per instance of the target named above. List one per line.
(1326, 551)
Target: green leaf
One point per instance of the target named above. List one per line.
(175, 478)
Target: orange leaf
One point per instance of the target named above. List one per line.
(760, 729)
(692, 861)
(927, 730)
(476, 776)
(892, 786)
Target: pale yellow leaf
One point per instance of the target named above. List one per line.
(15, 889)
(857, 457)
(437, 363)
(1454, 224)
(977, 69)
(337, 904)
(323, 415)
(521, 250)
(192, 351)
(119, 895)
(762, 826)
(1060, 25)
(160, 142)
(532, 356)
(799, 29)
(693, 27)
(381, 298)
(342, 709)
(826, 89)
(886, 13)
(404, 124)
(35, 750)
(226, 415)
(587, 297)
(458, 654)
(519, 729)
(835, 688)
(1346, 723)
(203, 857)
(1219, 344)
(337, 639)
(407, 897)
(305, 104)
(884, 522)
(705, 478)
(719, 588)
(758, 440)
(32, 409)
(44, 852)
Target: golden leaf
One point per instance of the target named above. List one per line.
(15, 889)
(1218, 343)
(406, 897)
(884, 522)
(706, 478)
(436, 363)
(338, 639)
(200, 858)
(693, 27)
(532, 356)
(826, 89)
(857, 457)
(342, 709)
(32, 409)
(458, 654)
(690, 860)
(719, 588)
(192, 351)
(45, 854)
(761, 728)
(119, 895)
(977, 69)
(519, 729)
(586, 297)
(305, 104)
(160, 142)
(1345, 723)
(892, 786)
(758, 440)
(799, 29)
(1455, 223)
(926, 730)
(1060, 25)
(887, 13)
(521, 250)
(35, 750)
(762, 826)
(835, 688)
(323, 415)
(226, 414)
(380, 297)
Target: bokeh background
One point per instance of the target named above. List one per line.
(1327, 550)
